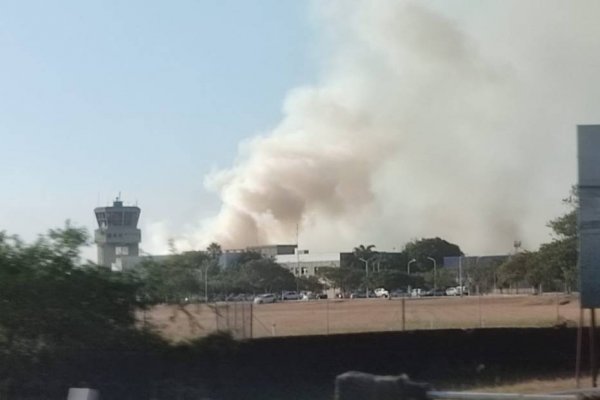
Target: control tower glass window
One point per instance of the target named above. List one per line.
(128, 220)
(115, 218)
(101, 218)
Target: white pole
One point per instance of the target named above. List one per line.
(408, 273)
(460, 283)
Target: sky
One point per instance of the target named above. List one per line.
(359, 122)
(137, 97)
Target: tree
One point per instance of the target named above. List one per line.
(51, 303)
(436, 248)
(515, 269)
(364, 252)
(176, 279)
(214, 251)
(360, 253)
(560, 255)
(346, 279)
(483, 275)
(267, 276)
(309, 283)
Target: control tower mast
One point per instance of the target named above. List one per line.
(117, 235)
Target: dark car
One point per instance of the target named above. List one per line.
(432, 293)
(360, 294)
(398, 293)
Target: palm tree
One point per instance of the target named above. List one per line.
(364, 252)
(214, 251)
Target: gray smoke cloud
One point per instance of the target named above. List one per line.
(429, 119)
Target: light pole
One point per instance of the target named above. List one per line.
(408, 265)
(408, 273)
(366, 275)
(434, 274)
(460, 282)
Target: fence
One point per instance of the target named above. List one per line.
(235, 318)
(336, 316)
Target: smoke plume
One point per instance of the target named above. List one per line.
(423, 123)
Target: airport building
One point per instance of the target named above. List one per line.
(306, 264)
(117, 236)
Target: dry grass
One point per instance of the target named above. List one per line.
(552, 385)
(367, 315)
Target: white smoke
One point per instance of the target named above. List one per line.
(423, 124)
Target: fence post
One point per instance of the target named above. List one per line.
(327, 302)
(479, 309)
(557, 309)
(403, 314)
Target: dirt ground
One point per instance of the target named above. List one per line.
(363, 315)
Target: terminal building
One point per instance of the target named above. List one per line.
(306, 264)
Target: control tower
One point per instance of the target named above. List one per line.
(117, 235)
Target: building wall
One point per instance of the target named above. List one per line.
(274, 250)
(308, 264)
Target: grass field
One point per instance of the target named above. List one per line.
(368, 315)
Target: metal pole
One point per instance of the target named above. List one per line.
(557, 309)
(327, 302)
(592, 348)
(403, 314)
(480, 318)
(460, 283)
(579, 345)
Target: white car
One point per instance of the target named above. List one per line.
(264, 298)
(381, 292)
(290, 295)
(457, 291)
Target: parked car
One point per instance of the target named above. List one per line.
(360, 294)
(457, 290)
(265, 298)
(432, 293)
(307, 296)
(398, 293)
(381, 292)
(290, 295)
(322, 296)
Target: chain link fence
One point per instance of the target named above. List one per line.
(337, 316)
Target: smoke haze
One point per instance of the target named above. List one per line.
(453, 119)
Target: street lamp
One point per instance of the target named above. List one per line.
(366, 274)
(408, 273)
(434, 274)
(408, 265)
